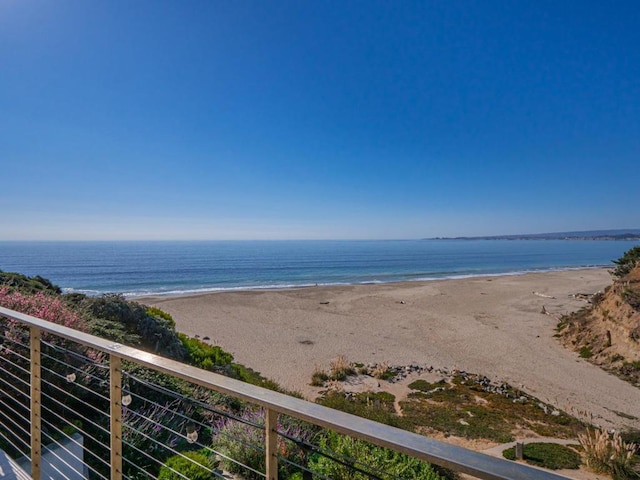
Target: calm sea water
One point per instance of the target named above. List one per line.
(143, 268)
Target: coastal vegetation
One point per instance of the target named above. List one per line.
(197, 465)
(607, 331)
(458, 404)
(123, 321)
(471, 407)
(626, 263)
(443, 404)
(162, 405)
(547, 455)
(610, 454)
(361, 461)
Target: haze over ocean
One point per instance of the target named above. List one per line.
(172, 268)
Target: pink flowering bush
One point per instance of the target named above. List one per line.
(46, 307)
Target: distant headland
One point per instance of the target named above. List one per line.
(628, 234)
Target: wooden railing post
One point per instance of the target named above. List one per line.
(271, 443)
(36, 410)
(115, 397)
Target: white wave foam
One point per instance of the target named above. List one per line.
(284, 286)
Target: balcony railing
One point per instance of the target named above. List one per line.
(55, 381)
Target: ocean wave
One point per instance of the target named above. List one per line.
(397, 278)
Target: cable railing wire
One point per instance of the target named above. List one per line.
(211, 450)
(87, 362)
(53, 453)
(161, 390)
(16, 354)
(16, 389)
(6, 338)
(96, 425)
(165, 408)
(347, 462)
(17, 448)
(203, 425)
(21, 380)
(153, 459)
(303, 468)
(17, 417)
(78, 369)
(84, 433)
(20, 367)
(71, 439)
(180, 454)
(137, 467)
(13, 421)
(193, 401)
(73, 353)
(342, 459)
(67, 393)
(5, 426)
(82, 401)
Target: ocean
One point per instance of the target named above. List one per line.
(173, 268)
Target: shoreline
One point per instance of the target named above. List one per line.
(260, 288)
(491, 325)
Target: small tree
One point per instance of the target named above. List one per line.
(627, 262)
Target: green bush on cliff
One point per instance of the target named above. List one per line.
(203, 355)
(17, 281)
(114, 317)
(627, 262)
(157, 313)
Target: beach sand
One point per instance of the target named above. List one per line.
(487, 325)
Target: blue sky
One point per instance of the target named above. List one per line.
(358, 119)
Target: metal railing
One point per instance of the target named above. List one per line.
(39, 377)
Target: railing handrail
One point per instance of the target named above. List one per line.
(434, 451)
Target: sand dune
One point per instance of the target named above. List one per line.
(488, 325)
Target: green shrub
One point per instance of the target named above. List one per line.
(547, 455)
(341, 368)
(585, 352)
(627, 262)
(197, 466)
(374, 406)
(246, 374)
(424, 386)
(319, 377)
(203, 355)
(372, 460)
(153, 333)
(17, 281)
(157, 313)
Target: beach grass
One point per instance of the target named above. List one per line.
(465, 408)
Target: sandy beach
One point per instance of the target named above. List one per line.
(488, 325)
